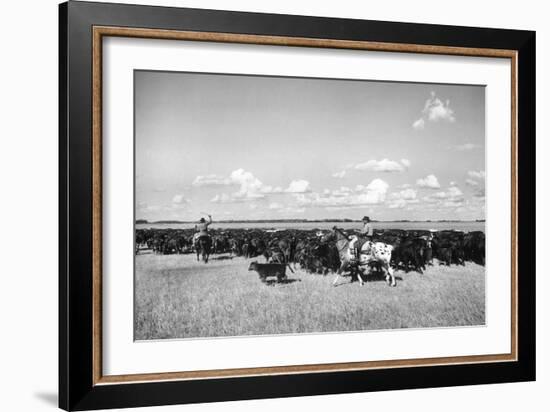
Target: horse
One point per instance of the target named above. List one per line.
(371, 252)
(203, 245)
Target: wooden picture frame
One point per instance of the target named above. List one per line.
(82, 385)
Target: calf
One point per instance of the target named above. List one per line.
(266, 270)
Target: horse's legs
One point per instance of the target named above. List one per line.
(389, 275)
(386, 270)
(205, 252)
(343, 267)
(359, 275)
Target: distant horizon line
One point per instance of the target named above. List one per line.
(145, 221)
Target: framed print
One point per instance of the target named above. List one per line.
(257, 206)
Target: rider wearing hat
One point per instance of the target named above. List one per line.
(364, 236)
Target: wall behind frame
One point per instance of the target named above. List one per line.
(28, 202)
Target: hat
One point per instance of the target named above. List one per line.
(366, 218)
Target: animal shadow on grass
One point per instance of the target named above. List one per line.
(273, 282)
(373, 277)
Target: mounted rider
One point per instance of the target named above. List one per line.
(201, 228)
(364, 236)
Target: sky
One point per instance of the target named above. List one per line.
(258, 147)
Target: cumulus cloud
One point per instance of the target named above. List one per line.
(339, 175)
(298, 186)
(343, 191)
(212, 180)
(451, 192)
(419, 124)
(435, 110)
(477, 174)
(270, 189)
(179, 199)
(452, 197)
(402, 198)
(476, 180)
(406, 194)
(373, 193)
(384, 165)
(250, 187)
(429, 182)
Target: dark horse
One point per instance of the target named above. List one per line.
(203, 245)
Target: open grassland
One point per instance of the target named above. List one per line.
(177, 297)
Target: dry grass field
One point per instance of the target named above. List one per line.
(178, 297)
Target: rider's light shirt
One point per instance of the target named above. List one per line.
(202, 228)
(367, 229)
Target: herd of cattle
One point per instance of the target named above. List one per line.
(413, 249)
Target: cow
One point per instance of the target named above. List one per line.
(266, 270)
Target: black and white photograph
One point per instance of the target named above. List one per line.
(274, 206)
(287, 205)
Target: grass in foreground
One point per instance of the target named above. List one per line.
(177, 297)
